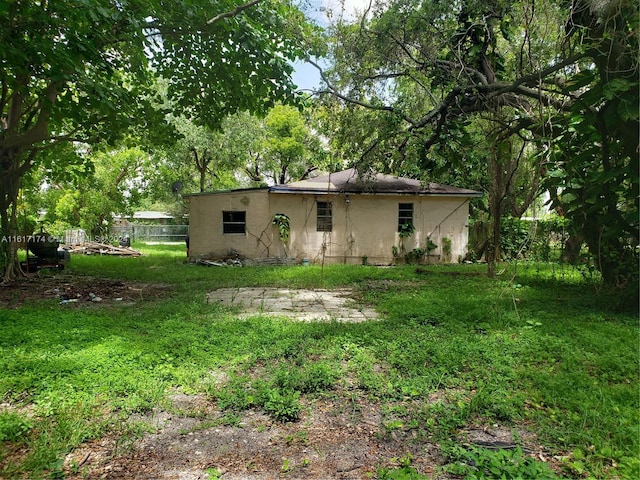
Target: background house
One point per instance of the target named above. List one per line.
(337, 218)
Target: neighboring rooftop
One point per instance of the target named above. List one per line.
(151, 215)
(348, 181)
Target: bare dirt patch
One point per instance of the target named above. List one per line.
(77, 289)
(340, 437)
(333, 439)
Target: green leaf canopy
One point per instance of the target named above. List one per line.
(85, 70)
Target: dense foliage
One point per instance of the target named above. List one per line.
(535, 94)
(85, 71)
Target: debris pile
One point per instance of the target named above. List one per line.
(97, 248)
(231, 259)
(79, 290)
(220, 263)
(241, 262)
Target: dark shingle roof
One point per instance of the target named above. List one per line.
(348, 181)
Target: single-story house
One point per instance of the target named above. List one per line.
(337, 218)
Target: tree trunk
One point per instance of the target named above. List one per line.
(202, 164)
(9, 226)
(496, 196)
(493, 241)
(203, 179)
(282, 178)
(571, 252)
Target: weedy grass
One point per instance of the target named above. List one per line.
(453, 348)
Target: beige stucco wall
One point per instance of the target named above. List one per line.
(366, 225)
(206, 238)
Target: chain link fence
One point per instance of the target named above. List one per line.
(151, 233)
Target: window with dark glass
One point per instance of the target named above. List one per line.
(234, 222)
(405, 216)
(324, 219)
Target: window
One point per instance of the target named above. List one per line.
(234, 222)
(405, 217)
(324, 220)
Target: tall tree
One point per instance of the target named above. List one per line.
(89, 201)
(247, 151)
(287, 146)
(532, 70)
(205, 153)
(203, 159)
(81, 71)
(424, 69)
(594, 170)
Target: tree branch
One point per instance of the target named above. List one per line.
(333, 91)
(233, 12)
(450, 66)
(121, 176)
(535, 77)
(40, 130)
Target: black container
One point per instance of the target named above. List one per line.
(43, 245)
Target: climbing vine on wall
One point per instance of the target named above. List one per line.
(283, 223)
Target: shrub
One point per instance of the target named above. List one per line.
(283, 406)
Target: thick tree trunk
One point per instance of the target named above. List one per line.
(493, 241)
(9, 226)
(496, 196)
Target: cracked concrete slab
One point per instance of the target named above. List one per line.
(302, 305)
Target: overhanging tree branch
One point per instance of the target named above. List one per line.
(233, 12)
(333, 91)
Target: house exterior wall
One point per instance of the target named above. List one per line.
(206, 236)
(367, 226)
(363, 226)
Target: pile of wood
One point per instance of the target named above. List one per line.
(96, 248)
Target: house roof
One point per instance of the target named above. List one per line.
(349, 181)
(147, 215)
(151, 215)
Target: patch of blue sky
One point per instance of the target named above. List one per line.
(323, 12)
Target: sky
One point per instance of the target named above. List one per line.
(305, 75)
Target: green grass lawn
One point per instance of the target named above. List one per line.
(543, 348)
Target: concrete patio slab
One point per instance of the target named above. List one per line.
(302, 305)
